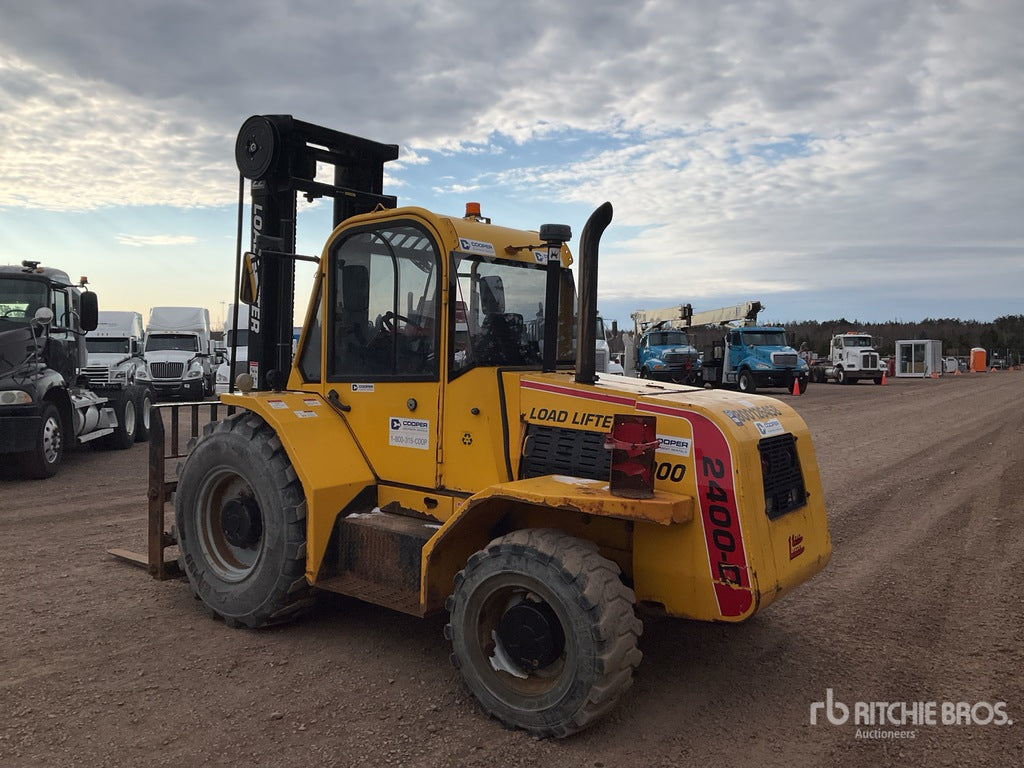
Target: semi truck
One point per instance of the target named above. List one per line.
(179, 354)
(852, 357)
(46, 405)
(414, 464)
(114, 352)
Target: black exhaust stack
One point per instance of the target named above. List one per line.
(586, 344)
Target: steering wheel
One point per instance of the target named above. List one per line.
(14, 313)
(389, 321)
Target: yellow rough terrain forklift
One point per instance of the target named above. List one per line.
(441, 442)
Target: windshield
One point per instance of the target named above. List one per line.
(19, 299)
(669, 338)
(765, 338)
(170, 341)
(108, 346)
(499, 313)
(857, 341)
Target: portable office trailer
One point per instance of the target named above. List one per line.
(918, 357)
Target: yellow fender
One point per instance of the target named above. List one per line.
(323, 453)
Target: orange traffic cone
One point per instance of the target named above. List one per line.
(883, 378)
(796, 386)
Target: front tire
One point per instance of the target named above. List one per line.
(241, 522)
(746, 383)
(544, 631)
(841, 377)
(46, 456)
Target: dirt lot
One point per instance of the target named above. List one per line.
(99, 665)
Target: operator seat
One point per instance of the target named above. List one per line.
(353, 319)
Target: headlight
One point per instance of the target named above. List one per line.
(761, 365)
(222, 378)
(142, 374)
(120, 375)
(15, 397)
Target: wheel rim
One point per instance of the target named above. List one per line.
(229, 523)
(52, 440)
(515, 632)
(146, 403)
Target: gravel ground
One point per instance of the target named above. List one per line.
(100, 665)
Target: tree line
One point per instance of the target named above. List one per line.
(1003, 337)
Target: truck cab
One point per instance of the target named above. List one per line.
(114, 350)
(852, 357)
(46, 404)
(760, 356)
(665, 353)
(179, 362)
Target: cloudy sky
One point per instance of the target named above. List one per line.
(861, 159)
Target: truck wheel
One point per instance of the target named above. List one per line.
(240, 515)
(544, 631)
(746, 383)
(45, 458)
(644, 373)
(841, 377)
(878, 379)
(123, 436)
(802, 384)
(143, 403)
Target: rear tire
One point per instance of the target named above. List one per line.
(45, 458)
(123, 436)
(544, 631)
(142, 405)
(240, 515)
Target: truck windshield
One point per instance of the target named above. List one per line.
(172, 341)
(108, 346)
(19, 299)
(857, 341)
(765, 338)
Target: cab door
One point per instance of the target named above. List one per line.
(382, 349)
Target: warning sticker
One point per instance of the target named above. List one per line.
(766, 428)
(278, 405)
(677, 446)
(409, 433)
(310, 403)
(476, 246)
(306, 414)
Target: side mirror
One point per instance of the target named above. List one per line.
(248, 289)
(43, 316)
(90, 311)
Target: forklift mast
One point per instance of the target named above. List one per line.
(279, 155)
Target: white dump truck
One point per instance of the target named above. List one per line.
(852, 357)
(179, 357)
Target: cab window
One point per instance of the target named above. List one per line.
(384, 300)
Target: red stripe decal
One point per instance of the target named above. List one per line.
(582, 394)
(720, 518)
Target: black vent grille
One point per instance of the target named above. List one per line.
(557, 451)
(783, 479)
